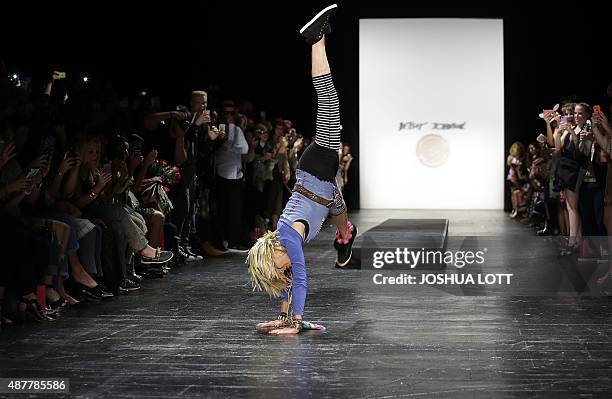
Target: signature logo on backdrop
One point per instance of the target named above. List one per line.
(434, 126)
(432, 149)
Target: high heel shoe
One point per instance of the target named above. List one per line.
(570, 249)
(55, 307)
(543, 231)
(93, 293)
(33, 311)
(58, 306)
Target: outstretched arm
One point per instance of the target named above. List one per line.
(299, 283)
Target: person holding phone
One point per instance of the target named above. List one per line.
(569, 139)
(229, 188)
(193, 134)
(276, 262)
(90, 193)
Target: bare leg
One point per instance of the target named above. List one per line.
(574, 217)
(51, 293)
(62, 292)
(514, 202)
(341, 221)
(561, 218)
(79, 273)
(148, 251)
(320, 65)
(156, 226)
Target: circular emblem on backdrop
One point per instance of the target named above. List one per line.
(432, 150)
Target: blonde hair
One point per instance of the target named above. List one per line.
(517, 149)
(264, 275)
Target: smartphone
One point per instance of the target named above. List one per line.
(32, 172)
(107, 168)
(61, 75)
(72, 152)
(565, 120)
(221, 128)
(597, 109)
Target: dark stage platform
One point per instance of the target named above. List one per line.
(192, 333)
(429, 234)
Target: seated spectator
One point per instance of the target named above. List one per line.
(94, 193)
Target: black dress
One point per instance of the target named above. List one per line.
(568, 168)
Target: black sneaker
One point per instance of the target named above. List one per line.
(160, 257)
(128, 285)
(135, 277)
(149, 272)
(182, 254)
(345, 251)
(192, 256)
(153, 272)
(314, 30)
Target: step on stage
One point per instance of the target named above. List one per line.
(394, 234)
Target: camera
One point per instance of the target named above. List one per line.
(185, 123)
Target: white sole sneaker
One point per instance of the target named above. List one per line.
(323, 11)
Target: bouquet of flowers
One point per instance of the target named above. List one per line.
(156, 187)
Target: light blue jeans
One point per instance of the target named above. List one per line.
(314, 214)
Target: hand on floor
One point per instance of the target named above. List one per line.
(284, 331)
(271, 325)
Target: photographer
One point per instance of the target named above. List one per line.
(229, 181)
(193, 141)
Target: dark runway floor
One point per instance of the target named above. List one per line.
(192, 334)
